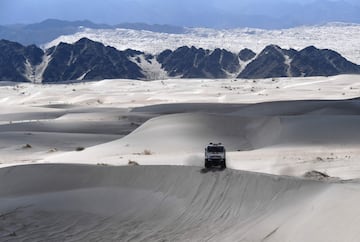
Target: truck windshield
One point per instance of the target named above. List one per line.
(215, 149)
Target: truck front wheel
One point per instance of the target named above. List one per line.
(223, 164)
(207, 164)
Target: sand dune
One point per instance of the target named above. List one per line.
(284, 127)
(163, 203)
(28, 135)
(181, 135)
(281, 130)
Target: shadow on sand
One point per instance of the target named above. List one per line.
(212, 169)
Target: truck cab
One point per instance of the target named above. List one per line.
(215, 155)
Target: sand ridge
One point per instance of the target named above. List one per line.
(177, 203)
(172, 203)
(324, 131)
(276, 132)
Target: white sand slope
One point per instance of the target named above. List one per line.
(287, 138)
(162, 203)
(29, 134)
(284, 127)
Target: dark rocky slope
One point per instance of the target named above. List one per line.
(89, 60)
(198, 63)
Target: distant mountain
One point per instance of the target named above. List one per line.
(43, 32)
(271, 62)
(158, 28)
(323, 11)
(275, 14)
(15, 58)
(90, 60)
(314, 62)
(49, 24)
(85, 59)
(340, 37)
(276, 62)
(264, 14)
(246, 54)
(199, 63)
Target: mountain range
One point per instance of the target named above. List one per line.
(90, 60)
(47, 30)
(264, 14)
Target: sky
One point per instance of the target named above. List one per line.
(177, 12)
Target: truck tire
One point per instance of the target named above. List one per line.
(207, 164)
(223, 164)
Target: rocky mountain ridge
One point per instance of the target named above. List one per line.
(90, 60)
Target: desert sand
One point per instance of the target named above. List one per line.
(292, 157)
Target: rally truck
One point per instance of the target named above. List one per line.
(215, 156)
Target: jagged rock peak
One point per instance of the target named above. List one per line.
(90, 60)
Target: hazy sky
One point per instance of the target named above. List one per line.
(181, 12)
